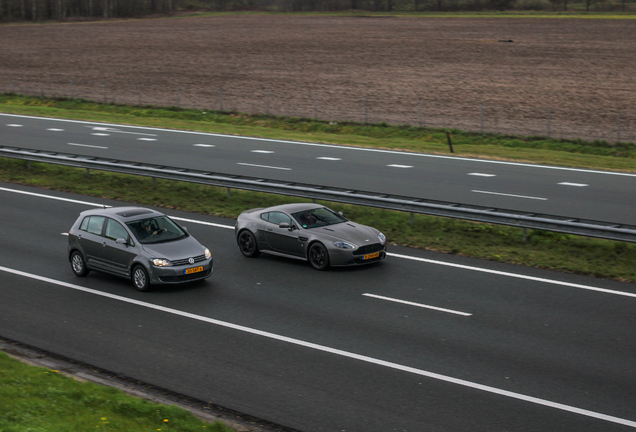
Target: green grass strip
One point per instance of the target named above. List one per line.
(547, 250)
(36, 399)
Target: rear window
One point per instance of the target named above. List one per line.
(93, 224)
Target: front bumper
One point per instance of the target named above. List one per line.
(176, 274)
(343, 257)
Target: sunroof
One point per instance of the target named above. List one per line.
(131, 213)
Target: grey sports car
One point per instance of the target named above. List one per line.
(308, 232)
(140, 244)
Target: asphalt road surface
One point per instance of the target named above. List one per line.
(577, 193)
(419, 342)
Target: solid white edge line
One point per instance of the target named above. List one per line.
(342, 147)
(509, 195)
(515, 275)
(416, 304)
(202, 222)
(335, 351)
(263, 166)
(53, 197)
(87, 145)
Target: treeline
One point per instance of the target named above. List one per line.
(61, 10)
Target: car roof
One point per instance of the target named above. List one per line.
(293, 208)
(124, 214)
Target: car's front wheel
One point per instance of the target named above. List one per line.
(318, 256)
(78, 264)
(247, 244)
(140, 278)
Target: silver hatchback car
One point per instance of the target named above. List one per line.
(137, 243)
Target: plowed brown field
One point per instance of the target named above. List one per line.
(565, 77)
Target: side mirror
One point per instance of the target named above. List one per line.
(341, 213)
(184, 228)
(121, 241)
(286, 225)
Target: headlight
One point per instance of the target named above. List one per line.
(344, 245)
(160, 262)
(381, 237)
(207, 253)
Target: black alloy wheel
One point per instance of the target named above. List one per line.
(247, 244)
(318, 256)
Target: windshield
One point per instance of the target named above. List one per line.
(156, 230)
(318, 217)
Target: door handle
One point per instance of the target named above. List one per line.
(104, 244)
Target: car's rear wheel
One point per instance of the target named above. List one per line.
(247, 244)
(140, 278)
(78, 264)
(318, 256)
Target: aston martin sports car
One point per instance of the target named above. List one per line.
(308, 232)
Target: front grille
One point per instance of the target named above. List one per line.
(181, 262)
(363, 250)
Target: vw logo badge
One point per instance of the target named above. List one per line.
(191, 260)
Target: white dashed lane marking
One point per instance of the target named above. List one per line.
(400, 166)
(482, 175)
(573, 184)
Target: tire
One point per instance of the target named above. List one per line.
(247, 244)
(78, 265)
(318, 256)
(140, 278)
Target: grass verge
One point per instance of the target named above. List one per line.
(580, 255)
(37, 399)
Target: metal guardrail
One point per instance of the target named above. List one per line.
(588, 228)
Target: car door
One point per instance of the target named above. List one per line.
(118, 257)
(283, 240)
(90, 240)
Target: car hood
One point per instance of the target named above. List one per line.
(174, 250)
(349, 231)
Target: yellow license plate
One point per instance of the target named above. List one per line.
(370, 256)
(193, 270)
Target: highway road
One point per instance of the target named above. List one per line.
(419, 342)
(579, 193)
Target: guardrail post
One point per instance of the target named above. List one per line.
(229, 192)
(450, 143)
(88, 172)
(412, 219)
(524, 235)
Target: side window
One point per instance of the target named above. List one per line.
(84, 226)
(265, 216)
(95, 224)
(278, 218)
(114, 230)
